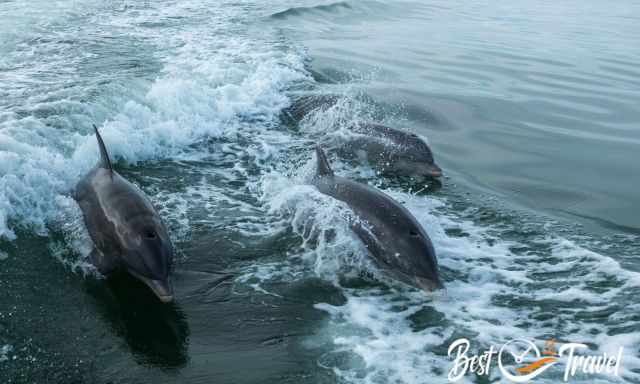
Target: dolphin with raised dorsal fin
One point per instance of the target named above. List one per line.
(397, 242)
(125, 228)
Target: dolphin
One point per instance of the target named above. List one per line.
(125, 228)
(399, 246)
(391, 151)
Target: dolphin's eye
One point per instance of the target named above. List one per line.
(413, 234)
(150, 235)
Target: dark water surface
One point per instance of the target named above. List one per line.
(531, 109)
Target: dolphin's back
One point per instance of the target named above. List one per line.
(106, 198)
(101, 230)
(380, 217)
(368, 203)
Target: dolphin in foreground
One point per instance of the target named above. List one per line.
(397, 242)
(127, 231)
(391, 151)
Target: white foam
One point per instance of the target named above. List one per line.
(4, 352)
(495, 296)
(328, 245)
(77, 246)
(216, 84)
(210, 87)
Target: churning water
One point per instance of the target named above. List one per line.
(531, 108)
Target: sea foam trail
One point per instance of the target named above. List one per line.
(209, 87)
(503, 282)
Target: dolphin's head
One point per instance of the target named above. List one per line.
(413, 158)
(422, 270)
(408, 254)
(148, 254)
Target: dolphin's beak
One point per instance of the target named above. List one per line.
(428, 285)
(433, 170)
(162, 288)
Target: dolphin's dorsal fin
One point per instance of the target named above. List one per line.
(104, 156)
(324, 169)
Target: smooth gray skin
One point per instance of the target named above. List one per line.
(399, 245)
(126, 230)
(390, 151)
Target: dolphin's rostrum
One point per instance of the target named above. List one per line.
(397, 242)
(127, 231)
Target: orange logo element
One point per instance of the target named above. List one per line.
(549, 352)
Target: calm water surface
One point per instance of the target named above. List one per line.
(530, 107)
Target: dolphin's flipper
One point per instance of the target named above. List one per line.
(105, 265)
(324, 169)
(105, 162)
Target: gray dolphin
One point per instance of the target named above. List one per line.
(391, 151)
(399, 245)
(126, 230)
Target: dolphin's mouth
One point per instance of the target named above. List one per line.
(161, 288)
(427, 285)
(433, 171)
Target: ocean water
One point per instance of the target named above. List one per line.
(531, 109)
